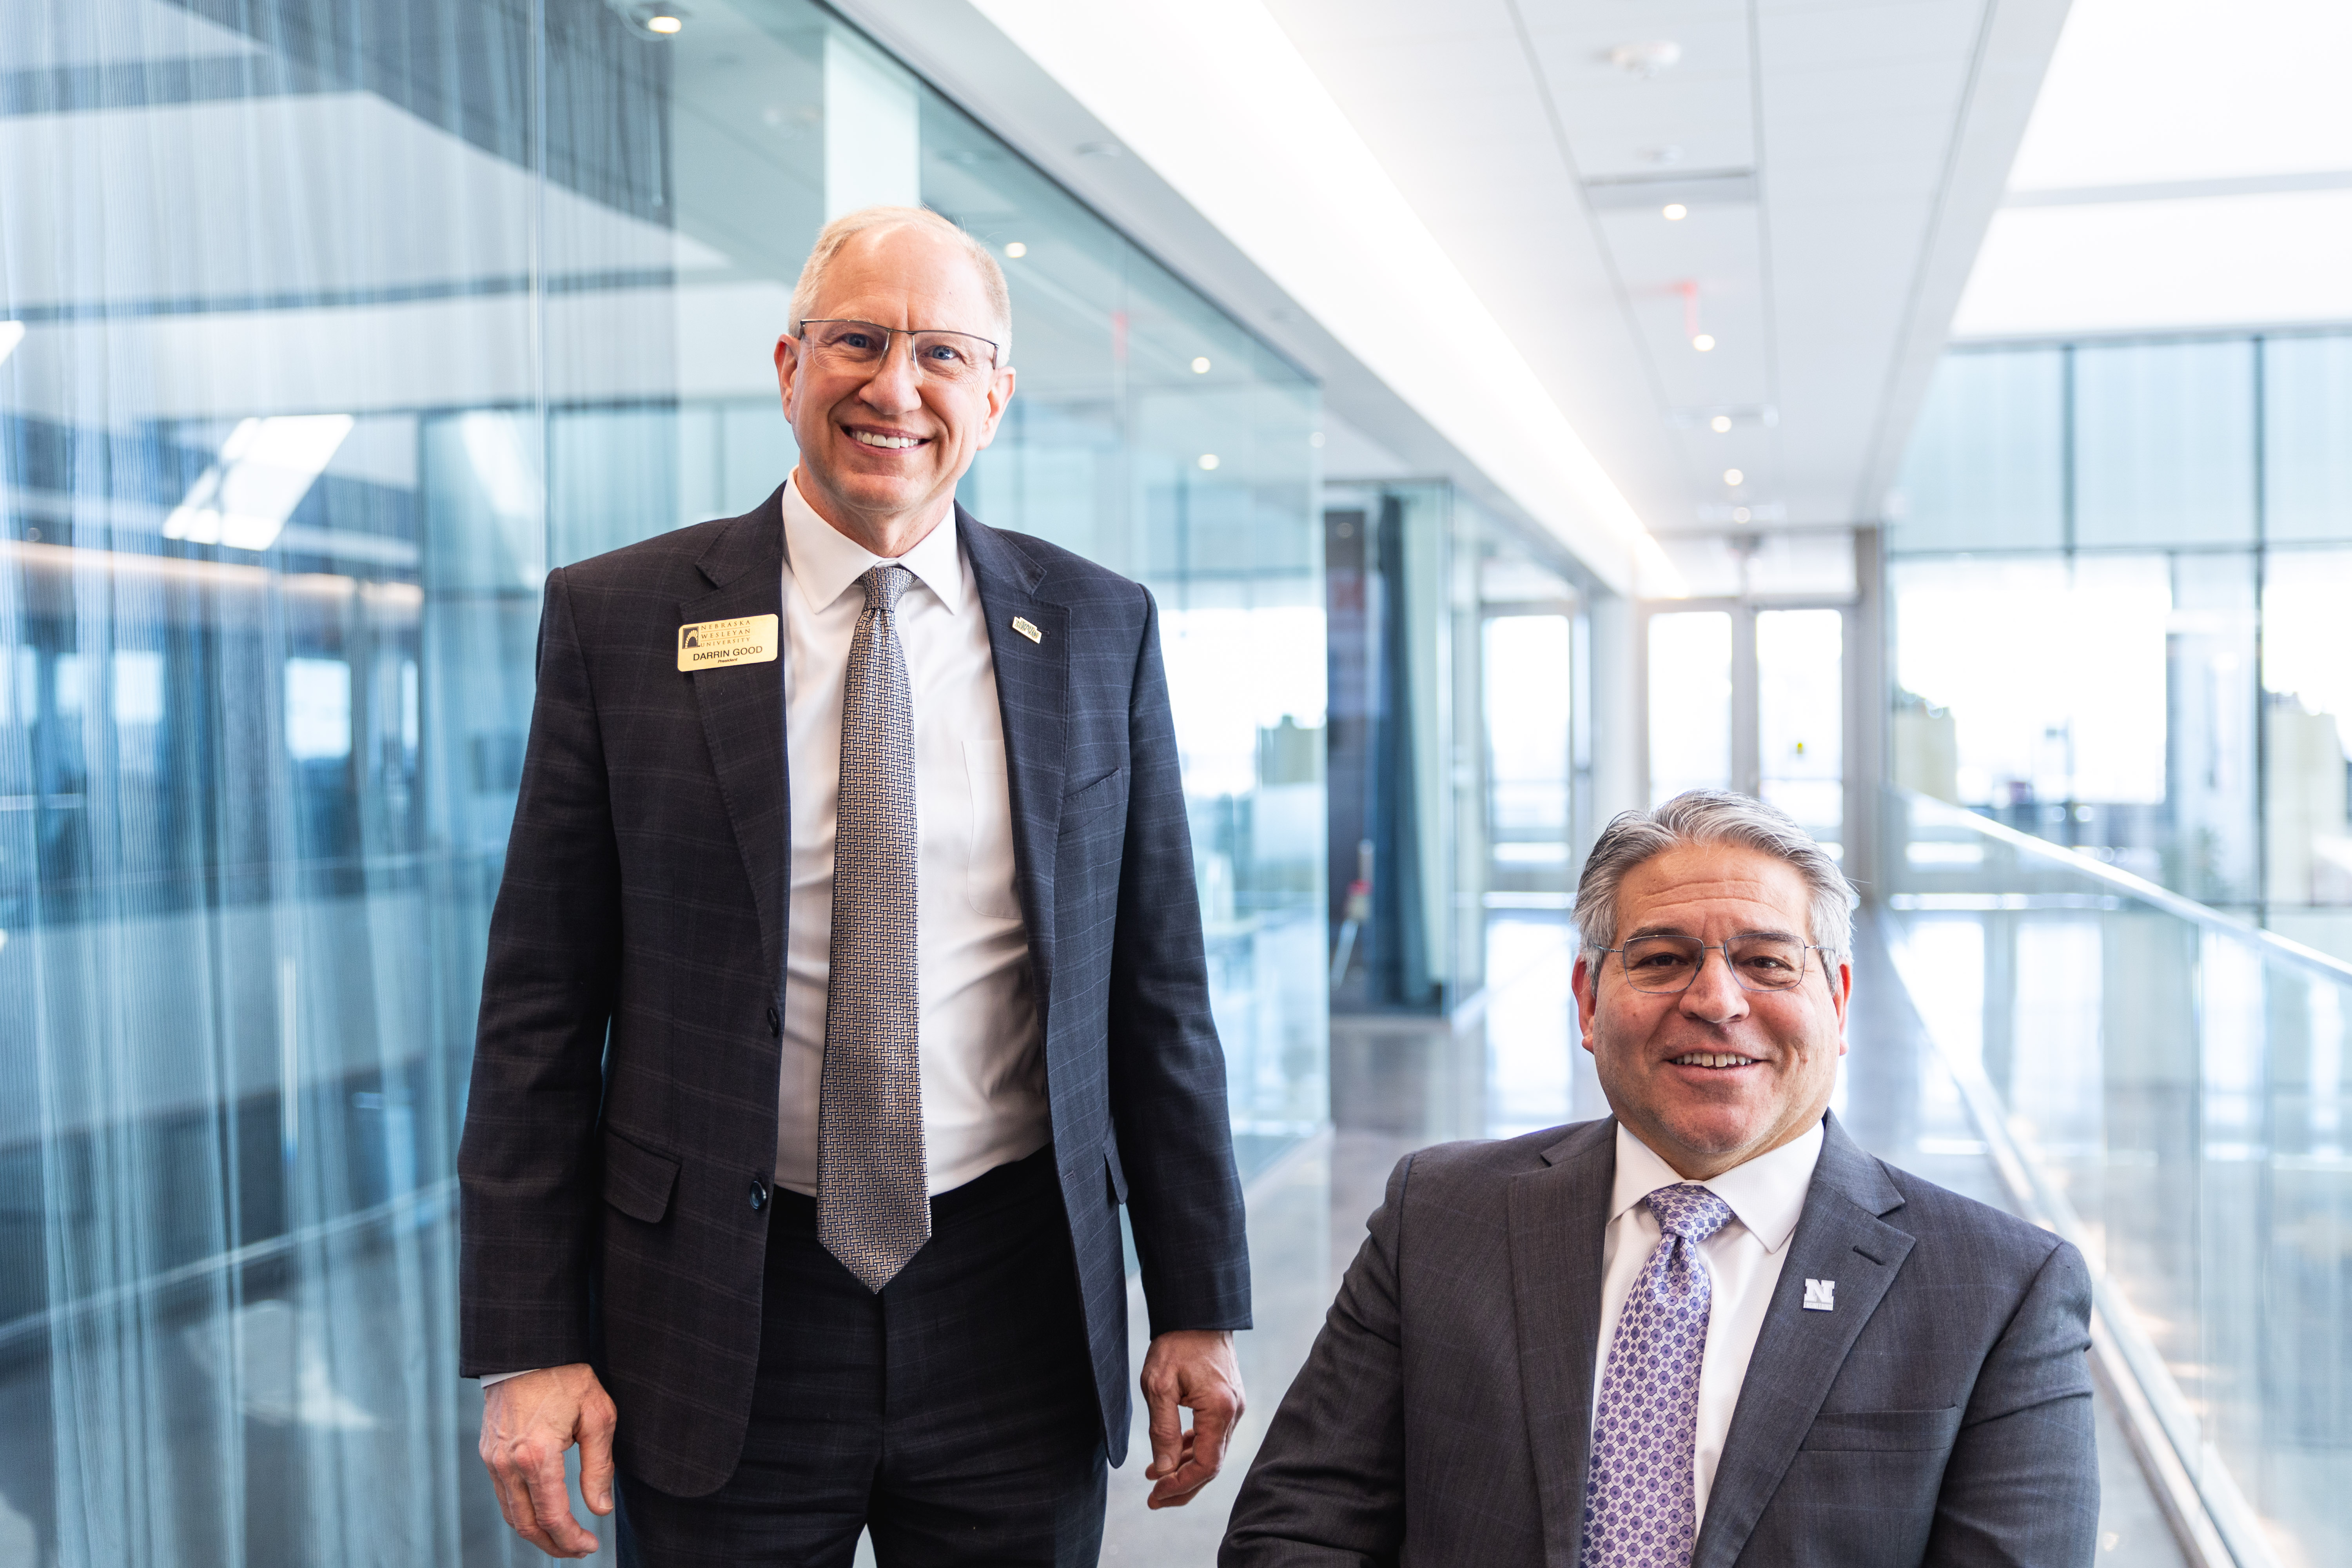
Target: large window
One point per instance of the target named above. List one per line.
(330, 326)
(2118, 581)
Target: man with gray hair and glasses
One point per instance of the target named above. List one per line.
(1706, 1329)
(845, 981)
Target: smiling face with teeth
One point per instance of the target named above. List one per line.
(1713, 1077)
(882, 447)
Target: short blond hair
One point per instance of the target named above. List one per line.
(834, 236)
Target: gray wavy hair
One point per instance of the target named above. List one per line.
(1711, 816)
(834, 235)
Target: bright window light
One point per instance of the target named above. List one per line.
(318, 710)
(138, 686)
(265, 469)
(11, 334)
(69, 682)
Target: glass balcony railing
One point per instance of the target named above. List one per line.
(2168, 1088)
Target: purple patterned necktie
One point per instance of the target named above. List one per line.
(1640, 1508)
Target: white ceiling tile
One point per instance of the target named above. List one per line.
(1857, 106)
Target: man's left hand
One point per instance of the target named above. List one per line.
(1195, 1368)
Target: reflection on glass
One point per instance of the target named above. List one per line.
(2307, 701)
(2100, 689)
(2102, 701)
(1800, 717)
(395, 307)
(1690, 702)
(2180, 1084)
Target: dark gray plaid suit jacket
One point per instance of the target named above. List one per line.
(605, 1186)
(1940, 1413)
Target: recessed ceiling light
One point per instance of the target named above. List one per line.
(1733, 476)
(1645, 60)
(1315, 439)
(1720, 423)
(1016, 250)
(663, 22)
(1676, 212)
(1739, 514)
(1208, 459)
(1200, 365)
(1704, 342)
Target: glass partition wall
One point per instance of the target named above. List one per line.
(2176, 1090)
(2118, 582)
(326, 328)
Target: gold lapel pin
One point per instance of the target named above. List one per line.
(1021, 624)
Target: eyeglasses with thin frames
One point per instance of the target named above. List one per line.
(1759, 961)
(955, 358)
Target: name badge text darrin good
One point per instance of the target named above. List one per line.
(711, 645)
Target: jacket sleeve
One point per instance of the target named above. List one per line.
(526, 1163)
(1167, 1085)
(1328, 1486)
(2023, 1484)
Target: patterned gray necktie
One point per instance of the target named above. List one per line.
(873, 1204)
(1641, 1506)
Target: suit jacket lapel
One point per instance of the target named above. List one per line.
(1559, 1217)
(1839, 1237)
(743, 711)
(1031, 690)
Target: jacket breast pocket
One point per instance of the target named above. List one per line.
(1884, 1431)
(1106, 794)
(637, 1182)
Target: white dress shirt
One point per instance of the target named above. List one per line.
(984, 1073)
(1767, 1194)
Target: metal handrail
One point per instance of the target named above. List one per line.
(2285, 949)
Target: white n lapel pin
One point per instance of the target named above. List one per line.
(1021, 623)
(1821, 1295)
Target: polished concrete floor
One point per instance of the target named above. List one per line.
(1512, 1066)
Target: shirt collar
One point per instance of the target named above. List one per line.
(826, 562)
(1767, 1193)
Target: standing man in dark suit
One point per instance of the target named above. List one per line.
(846, 977)
(1705, 1330)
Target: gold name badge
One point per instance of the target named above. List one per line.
(710, 645)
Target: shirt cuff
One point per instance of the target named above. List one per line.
(490, 1377)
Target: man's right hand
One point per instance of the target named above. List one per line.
(527, 1424)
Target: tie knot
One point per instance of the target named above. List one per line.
(1689, 1211)
(883, 584)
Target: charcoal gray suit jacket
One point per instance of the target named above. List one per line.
(1939, 1414)
(623, 1109)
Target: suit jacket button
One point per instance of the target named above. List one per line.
(775, 1024)
(759, 1193)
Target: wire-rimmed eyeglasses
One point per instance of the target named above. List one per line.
(940, 355)
(1759, 961)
